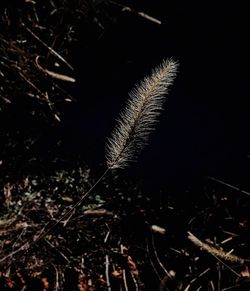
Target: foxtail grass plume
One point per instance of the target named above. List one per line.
(139, 117)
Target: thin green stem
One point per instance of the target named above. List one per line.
(42, 235)
(74, 206)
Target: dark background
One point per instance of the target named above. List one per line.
(204, 129)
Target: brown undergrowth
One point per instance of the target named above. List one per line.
(120, 239)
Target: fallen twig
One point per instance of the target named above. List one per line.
(228, 185)
(107, 272)
(140, 13)
(53, 74)
(158, 229)
(218, 253)
(97, 212)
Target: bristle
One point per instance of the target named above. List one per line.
(139, 116)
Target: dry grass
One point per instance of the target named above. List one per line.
(121, 238)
